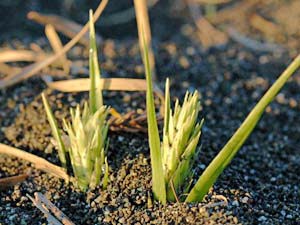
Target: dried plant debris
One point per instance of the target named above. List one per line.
(53, 214)
(39, 163)
(209, 36)
(133, 121)
(12, 180)
(63, 25)
(34, 68)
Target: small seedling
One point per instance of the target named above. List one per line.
(170, 161)
(87, 130)
(180, 138)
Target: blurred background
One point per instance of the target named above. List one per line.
(264, 20)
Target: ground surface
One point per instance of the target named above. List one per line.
(261, 185)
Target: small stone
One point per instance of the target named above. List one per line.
(292, 103)
(235, 220)
(235, 203)
(12, 217)
(122, 220)
(263, 59)
(245, 200)
(289, 216)
(184, 62)
(190, 51)
(171, 48)
(189, 219)
(126, 98)
(207, 102)
(202, 166)
(262, 218)
(280, 98)
(120, 138)
(139, 69)
(11, 103)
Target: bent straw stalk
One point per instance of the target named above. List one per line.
(221, 161)
(38, 162)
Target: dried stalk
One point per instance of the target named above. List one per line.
(63, 25)
(52, 213)
(253, 44)
(143, 25)
(39, 162)
(112, 84)
(20, 55)
(34, 68)
(236, 11)
(6, 69)
(124, 16)
(270, 29)
(57, 46)
(11, 181)
(209, 36)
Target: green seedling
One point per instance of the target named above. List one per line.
(87, 135)
(180, 138)
(85, 143)
(171, 161)
(158, 181)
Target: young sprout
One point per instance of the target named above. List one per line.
(87, 133)
(87, 130)
(171, 162)
(180, 138)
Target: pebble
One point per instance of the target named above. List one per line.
(282, 212)
(120, 138)
(122, 220)
(235, 203)
(245, 200)
(293, 103)
(184, 62)
(262, 218)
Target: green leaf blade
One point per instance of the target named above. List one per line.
(220, 162)
(96, 100)
(158, 182)
(55, 132)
